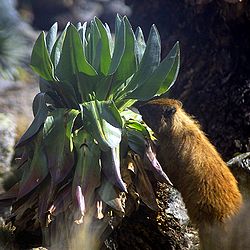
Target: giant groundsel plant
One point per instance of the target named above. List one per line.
(87, 147)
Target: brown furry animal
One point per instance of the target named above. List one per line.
(195, 168)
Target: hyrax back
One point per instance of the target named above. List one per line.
(196, 169)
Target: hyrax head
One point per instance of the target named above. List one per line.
(159, 113)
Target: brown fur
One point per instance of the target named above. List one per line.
(196, 169)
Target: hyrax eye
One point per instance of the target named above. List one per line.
(169, 111)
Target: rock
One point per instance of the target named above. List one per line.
(168, 229)
(19, 108)
(7, 135)
(176, 206)
(240, 166)
(173, 219)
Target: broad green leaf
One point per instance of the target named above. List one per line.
(105, 57)
(41, 111)
(88, 170)
(96, 46)
(87, 46)
(149, 62)
(163, 75)
(102, 120)
(122, 104)
(57, 48)
(110, 39)
(111, 167)
(87, 85)
(67, 94)
(129, 114)
(118, 21)
(71, 117)
(72, 60)
(173, 73)
(137, 126)
(94, 86)
(136, 141)
(119, 46)
(60, 158)
(40, 60)
(103, 87)
(127, 65)
(35, 170)
(51, 37)
(140, 44)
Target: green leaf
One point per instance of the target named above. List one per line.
(126, 103)
(102, 120)
(94, 86)
(137, 126)
(119, 46)
(96, 46)
(87, 85)
(161, 78)
(129, 114)
(140, 44)
(56, 136)
(136, 140)
(173, 72)
(57, 48)
(88, 170)
(40, 60)
(41, 111)
(128, 64)
(72, 60)
(110, 39)
(71, 117)
(105, 57)
(51, 37)
(149, 63)
(67, 94)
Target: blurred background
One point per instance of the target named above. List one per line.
(213, 83)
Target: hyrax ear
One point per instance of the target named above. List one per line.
(169, 112)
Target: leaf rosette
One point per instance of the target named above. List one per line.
(87, 145)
